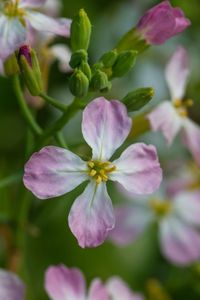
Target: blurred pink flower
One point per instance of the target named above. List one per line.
(162, 22)
(172, 117)
(11, 287)
(64, 283)
(54, 171)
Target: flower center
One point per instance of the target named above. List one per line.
(160, 208)
(182, 106)
(11, 9)
(100, 170)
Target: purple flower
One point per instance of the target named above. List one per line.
(11, 287)
(16, 19)
(54, 171)
(63, 283)
(172, 117)
(178, 224)
(162, 22)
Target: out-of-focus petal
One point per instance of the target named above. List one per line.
(52, 8)
(62, 283)
(176, 73)
(63, 54)
(105, 126)
(91, 216)
(11, 287)
(31, 3)
(98, 291)
(54, 171)
(138, 169)
(165, 118)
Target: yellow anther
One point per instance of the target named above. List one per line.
(91, 164)
(161, 208)
(98, 179)
(183, 113)
(93, 172)
(99, 170)
(177, 103)
(111, 169)
(189, 102)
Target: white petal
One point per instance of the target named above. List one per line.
(63, 54)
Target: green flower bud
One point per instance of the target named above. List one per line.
(137, 99)
(79, 84)
(85, 68)
(11, 66)
(124, 63)
(30, 70)
(99, 81)
(80, 31)
(109, 58)
(78, 57)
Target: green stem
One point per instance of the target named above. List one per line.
(60, 139)
(5, 182)
(54, 102)
(36, 129)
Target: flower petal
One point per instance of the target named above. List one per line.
(41, 22)
(11, 287)
(180, 242)
(63, 283)
(105, 126)
(54, 171)
(98, 291)
(31, 3)
(164, 118)
(91, 216)
(177, 72)
(63, 54)
(12, 35)
(119, 290)
(191, 138)
(138, 169)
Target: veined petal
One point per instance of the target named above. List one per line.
(42, 22)
(11, 287)
(91, 216)
(180, 242)
(105, 126)
(12, 35)
(62, 283)
(63, 54)
(119, 290)
(54, 171)
(98, 291)
(177, 72)
(31, 3)
(191, 138)
(164, 118)
(138, 169)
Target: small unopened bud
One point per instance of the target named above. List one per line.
(11, 66)
(137, 99)
(99, 81)
(109, 58)
(79, 84)
(80, 31)
(85, 68)
(124, 63)
(77, 58)
(30, 69)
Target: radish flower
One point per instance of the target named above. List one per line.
(11, 287)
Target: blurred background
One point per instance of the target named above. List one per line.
(48, 238)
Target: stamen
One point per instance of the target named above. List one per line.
(93, 172)
(99, 170)
(98, 179)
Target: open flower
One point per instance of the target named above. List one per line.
(54, 171)
(178, 224)
(64, 283)
(11, 287)
(161, 23)
(170, 117)
(16, 19)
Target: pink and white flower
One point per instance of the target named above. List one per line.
(64, 283)
(162, 22)
(54, 171)
(16, 19)
(178, 224)
(171, 117)
(11, 287)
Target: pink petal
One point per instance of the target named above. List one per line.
(164, 118)
(119, 290)
(42, 22)
(191, 138)
(54, 171)
(98, 291)
(180, 242)
(31, 3)
(63, 54)
(177, 72)
(91, 216)
(138, 169)
(62, 283)
(105, 126)
(11, 287)
(52, 8)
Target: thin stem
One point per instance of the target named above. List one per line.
(5, 182)
(36, 129)
(54, 102)
(60, 139)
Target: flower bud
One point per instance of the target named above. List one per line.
(109, 58)
(99, 81)
(124, 63)
(30, 69)
(79, 84)
(11, 66)
(137, 99)
(80, 31)
(85, 68)
(78, 57)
